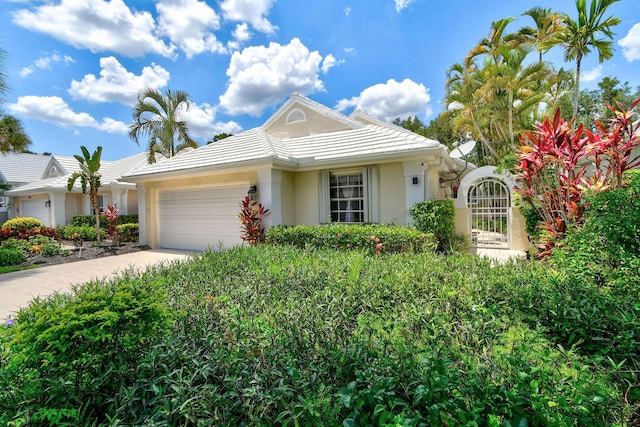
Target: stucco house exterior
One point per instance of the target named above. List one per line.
(47, 198)
(309, 165)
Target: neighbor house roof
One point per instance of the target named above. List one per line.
(18, 168)
(110, 171)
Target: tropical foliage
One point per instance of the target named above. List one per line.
(89, 175)
(161, 119)
(13, 136)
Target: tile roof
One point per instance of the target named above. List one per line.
(23, 167)
(110, 171)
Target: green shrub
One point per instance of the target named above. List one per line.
(436, 217)
(87, 233)
(25, 222)
(74, 350)
(129, 232)
(21, 245)
(376, 238)
(11, 257)
(90, 220)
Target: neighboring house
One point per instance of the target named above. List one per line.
(309, 164)
(47, 197)
(18, 169)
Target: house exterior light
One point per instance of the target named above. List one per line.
(252, 192)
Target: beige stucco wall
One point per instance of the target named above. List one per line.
(151, 193)
(462, 221)
(519, 238)
(314, 123)
(288, 198)
(307, 211)
(132, 202)
(74, 205)
(392, 193)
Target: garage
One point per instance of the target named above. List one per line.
(195, 219)
(36, 209)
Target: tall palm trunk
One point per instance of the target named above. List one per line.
(576, 93)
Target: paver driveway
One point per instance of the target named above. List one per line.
(20, 287)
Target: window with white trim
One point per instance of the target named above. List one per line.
(346, 194)
(349, 196)
(102, 204)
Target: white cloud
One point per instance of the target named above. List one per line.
(391, 99)
(116, 84)
(190, 24)
(240, 36)
(591, 75)
(54, 109)
(45, 62)
(251, 11)
(202, 124)
(402, 4)
(329, 62)
(261, 76)
(96, 25)
(347, 10)
(631, 43)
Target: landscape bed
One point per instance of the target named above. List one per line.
(284, 336)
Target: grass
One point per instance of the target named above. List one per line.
(12, 268)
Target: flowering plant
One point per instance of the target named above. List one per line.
(112, 230)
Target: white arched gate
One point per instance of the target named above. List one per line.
(488, 201)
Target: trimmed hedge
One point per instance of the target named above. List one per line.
(90, 220)
(87, 233)
(129, 232)
(26, 222)
(373, 237)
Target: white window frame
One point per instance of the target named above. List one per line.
(369, 196)
(102, 204)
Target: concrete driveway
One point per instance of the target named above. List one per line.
(17, 289)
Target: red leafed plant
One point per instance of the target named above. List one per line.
(558, 162)
(112, 213)
(251, 215)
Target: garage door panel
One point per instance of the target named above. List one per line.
(198, 219)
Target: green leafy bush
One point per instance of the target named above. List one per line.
(73, 351)
(10, 256)
(23, 222)
(375, 238)
(129, 232)
(436, 217)
(276, 335)
(87, 233)
(90, 220)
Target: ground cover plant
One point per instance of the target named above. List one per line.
(278, 335)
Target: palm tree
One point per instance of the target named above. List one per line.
(548, 25)
(159, 117)
(580, 36)
(489, 45)
(4, 87)
(89, 174)
(465, 104)
(519, 84)
(12, 135)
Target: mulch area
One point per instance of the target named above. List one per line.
(85, 252)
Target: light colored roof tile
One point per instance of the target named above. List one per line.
(23, 167)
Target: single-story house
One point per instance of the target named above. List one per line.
(47, 197)
(18, 169)
(308, 164)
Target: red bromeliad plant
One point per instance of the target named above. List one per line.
(251, 214)
(553, 170)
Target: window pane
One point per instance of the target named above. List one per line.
(346, 193)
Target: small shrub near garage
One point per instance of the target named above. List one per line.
(129, 232)
(90, 220)
(376, 238)
(23, 222)
(87, 233)
(10, 256)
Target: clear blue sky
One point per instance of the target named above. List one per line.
(75, 67)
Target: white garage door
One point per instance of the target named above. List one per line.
(195, 219)
(35, 209)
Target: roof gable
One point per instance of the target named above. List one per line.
(19, 168)
(300, 116)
